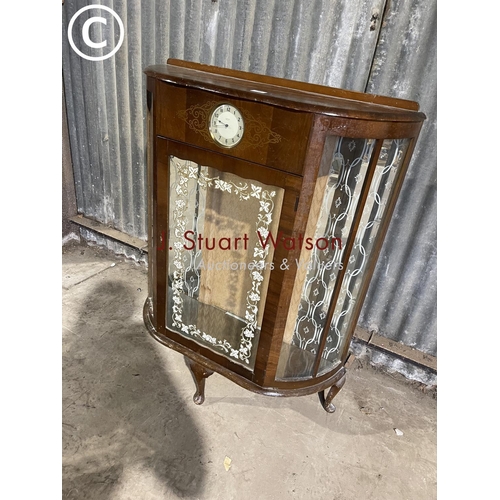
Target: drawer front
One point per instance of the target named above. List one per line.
(273, 136)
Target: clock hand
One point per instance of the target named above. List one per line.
(225, 124)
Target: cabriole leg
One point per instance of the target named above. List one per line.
(199, 373)
(334, 390)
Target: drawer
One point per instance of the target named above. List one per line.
(273, 136)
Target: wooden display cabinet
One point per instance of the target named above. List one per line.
(268, 204)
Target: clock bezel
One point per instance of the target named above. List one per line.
(222, 145)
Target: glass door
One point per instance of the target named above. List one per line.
(219, 256)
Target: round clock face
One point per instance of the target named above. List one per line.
(226, 125)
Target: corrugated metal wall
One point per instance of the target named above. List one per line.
(382, 46)
(402, 298)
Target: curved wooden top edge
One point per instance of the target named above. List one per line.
(291, 94)
(299, 85)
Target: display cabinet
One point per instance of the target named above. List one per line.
(268, 204)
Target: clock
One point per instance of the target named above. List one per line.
(226, 125)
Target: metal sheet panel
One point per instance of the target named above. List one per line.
(331, 42)
(401, 303)
(322, 41)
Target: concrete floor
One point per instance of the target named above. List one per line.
(131, 430)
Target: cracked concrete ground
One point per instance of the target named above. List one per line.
(131, 430)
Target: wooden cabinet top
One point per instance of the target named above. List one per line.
(299, 96)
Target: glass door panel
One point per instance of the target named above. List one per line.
(219, 268)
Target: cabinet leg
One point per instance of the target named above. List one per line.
(200, 373)
(334, 390)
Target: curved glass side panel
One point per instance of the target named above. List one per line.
(388, 167)
(336, 196)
